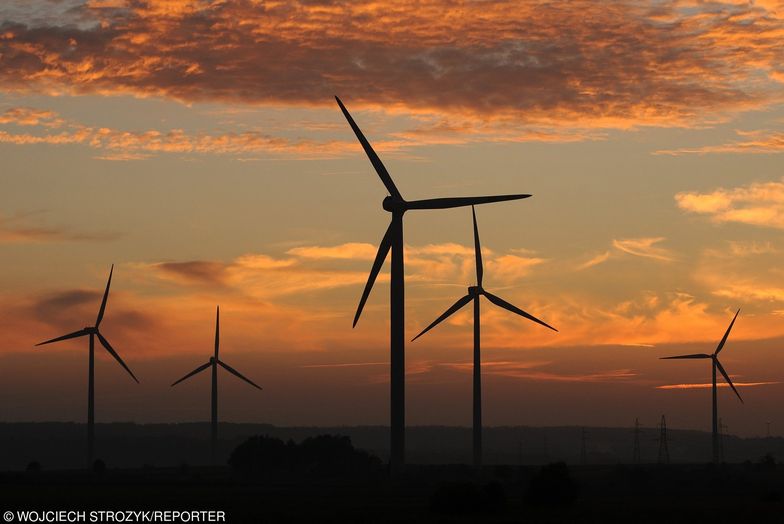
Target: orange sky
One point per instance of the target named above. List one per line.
(197, 146)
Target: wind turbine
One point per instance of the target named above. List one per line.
(213, 363)
(474, 293)
(715, 364)
(395, 204)
(92, 332)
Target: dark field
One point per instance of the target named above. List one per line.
(750, 492)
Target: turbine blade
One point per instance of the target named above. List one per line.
(446, 314)
(724, 339)
(478, 248)
(445, 203)
(377, 164)
(105, 297)
(217, 331)
(381, 255)
(194, 372)
(113, 353)
(698, 355)
(514, 309)
(727, 378)
(75, 334)
(238, 374)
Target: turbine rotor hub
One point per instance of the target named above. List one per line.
(474, 290)
(392, 204)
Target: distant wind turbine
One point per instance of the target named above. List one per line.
(715, 364)
(393, 241)
(92, 332)
(474, 292)
(214, 362)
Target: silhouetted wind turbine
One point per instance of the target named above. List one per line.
(715, 364)
(474, 292)
(393, 241)
(92, 332)
(214, 362)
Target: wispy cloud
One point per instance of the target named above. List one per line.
(752, 142)
(644, 247)
(529, 371)
(16, 229)
(718, 384)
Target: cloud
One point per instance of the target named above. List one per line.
(644, 247)
(527, 371)
(601, 258)
(350, 251)
(346, 365)
(116, 144)
(640, 247)
(755, 142)
(195, 271)
(13, 230)
(28, 116)
(551, 65)
(759, 204)
(718, 384)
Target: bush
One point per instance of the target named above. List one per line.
(33, 468)
(467, 497)
(334, 454)
(321, 455)
(99, 467)
(262, 454)
(553, 485)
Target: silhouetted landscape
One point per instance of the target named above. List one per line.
(333, 474)
(58, 445)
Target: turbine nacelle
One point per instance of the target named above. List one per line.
(475, 290)
(90, 330)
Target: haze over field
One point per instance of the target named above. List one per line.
(198, 147)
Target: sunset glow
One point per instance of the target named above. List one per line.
(198, 147)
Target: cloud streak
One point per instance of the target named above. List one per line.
(14, 230)
(718, 384)
(753, 142)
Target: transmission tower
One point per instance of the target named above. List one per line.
(664, 452)
(583, 454)
(636, 452)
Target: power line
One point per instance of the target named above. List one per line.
(664, 452)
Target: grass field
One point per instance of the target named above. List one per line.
(675, 493)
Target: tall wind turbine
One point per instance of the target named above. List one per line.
(715, 364)
(92, 332)
(213, 363)
(395, 204)
(474, 293)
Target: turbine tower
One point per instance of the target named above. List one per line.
(92, 332)
(213, 363)
(715, 364)
(473, 295)
(392, 241)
